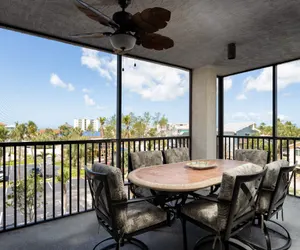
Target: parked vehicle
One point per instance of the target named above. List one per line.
(38, 171)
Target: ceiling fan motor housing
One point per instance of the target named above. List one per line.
(124, 3)
(123, 18)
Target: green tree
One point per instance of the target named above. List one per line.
(127, 121)
(19, 134)
(90, 128)
(31, 130)
(4, 136)
(65, 131)
(30, 195)
(163, 122)
(64, 178)
(102, 121)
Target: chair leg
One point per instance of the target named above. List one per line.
(183, 223)
(118, 245)
(226, 245)
(267, 236)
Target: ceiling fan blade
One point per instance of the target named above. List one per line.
(95, 14)
(155, 41)
(157, 17)
(92, 35)
(142, 25)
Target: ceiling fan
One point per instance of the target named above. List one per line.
(129, 30)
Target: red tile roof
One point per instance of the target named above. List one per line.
(2, 124)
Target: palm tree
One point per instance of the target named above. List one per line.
(65, 130)
(102, 121)
(4, 135)
(90, 128)
(31, 130)
(127, 123)
(31, 134)
(19, 134)
(163, 122)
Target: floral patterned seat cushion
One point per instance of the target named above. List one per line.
(215, 214)
(259, 157)
(176, 155)
(203, 211)
(269, 185)
(129, 218)
(142, 215)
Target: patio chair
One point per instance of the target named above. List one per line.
(256, 156)
(143, 159)
(121, 218)
(175, 155)
(271, 199)
(230, 212)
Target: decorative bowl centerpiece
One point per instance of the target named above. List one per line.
(200, 164)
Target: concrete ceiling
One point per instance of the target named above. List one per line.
(265, 31)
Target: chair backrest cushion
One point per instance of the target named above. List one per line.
(116, 193)
(259, 157)
(145, 159)
(227, 189)
(270, 192)
(176, 155)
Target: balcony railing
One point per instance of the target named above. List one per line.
(287, 148)
(43, 181)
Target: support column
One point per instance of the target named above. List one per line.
(204, 113)
(119, 111)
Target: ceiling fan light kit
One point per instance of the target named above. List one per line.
(130, 30)
(122, 42)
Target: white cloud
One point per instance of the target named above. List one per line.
(151, 81)
(227, 83)
(57, 82)
(100, 107)
(241, 97)
(84, 90)
(105, 65)
(288, 74)
(89, 101)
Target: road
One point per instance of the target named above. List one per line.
(20, 170)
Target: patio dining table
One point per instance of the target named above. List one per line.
(179, 178)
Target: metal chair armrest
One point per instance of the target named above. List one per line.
(127, 183)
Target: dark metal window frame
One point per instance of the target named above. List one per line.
(220, 97)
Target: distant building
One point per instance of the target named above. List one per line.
(84, 123)
(237, 129)
(179, 129)
(10, 127)
(240, 128)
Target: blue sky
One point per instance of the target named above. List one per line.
(248, 96)
(52, 83)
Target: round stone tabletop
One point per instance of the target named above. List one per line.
(177, 177)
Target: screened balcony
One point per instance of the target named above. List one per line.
(266, 35)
